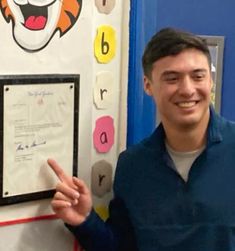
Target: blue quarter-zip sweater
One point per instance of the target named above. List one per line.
(154, 209)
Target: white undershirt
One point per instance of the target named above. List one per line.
(183, 160)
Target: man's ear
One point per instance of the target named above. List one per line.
(147, 86)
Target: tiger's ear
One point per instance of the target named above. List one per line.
(148, 86)
(70, 11)
(6, 11)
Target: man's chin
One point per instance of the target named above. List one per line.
(188, 123)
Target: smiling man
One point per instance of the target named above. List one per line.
(181, 85)
(35, 22)
(174, 191)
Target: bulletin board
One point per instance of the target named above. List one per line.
(52, 46)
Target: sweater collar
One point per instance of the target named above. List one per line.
(214, 131)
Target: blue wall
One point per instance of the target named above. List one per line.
(141, 110)
(205, 17)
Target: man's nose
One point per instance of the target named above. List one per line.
(186, 86)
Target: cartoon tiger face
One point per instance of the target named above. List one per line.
(34, 22)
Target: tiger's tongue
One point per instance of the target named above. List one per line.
(35, 22)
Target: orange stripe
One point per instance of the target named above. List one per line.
(6, 10)
(64, 22)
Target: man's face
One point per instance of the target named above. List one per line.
(181, 86)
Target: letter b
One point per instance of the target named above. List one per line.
(105, 44)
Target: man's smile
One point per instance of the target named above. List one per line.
(186, 104)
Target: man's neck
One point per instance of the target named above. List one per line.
(187, 139)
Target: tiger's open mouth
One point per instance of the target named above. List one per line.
(35, 17)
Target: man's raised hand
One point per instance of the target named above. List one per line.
(72, 201)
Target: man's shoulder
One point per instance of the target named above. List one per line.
(227, 125)
(222, 130)
(145, 145)
(132, 162)
(134, 150)
(228, 128)
(144, 151)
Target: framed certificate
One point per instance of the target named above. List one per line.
(39, 115)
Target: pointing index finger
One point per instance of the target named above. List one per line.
(63, 177)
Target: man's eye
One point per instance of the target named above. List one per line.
(171, 78)
(199, 77)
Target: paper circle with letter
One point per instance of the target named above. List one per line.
(103, 135)
(105, 6)
(101, 178)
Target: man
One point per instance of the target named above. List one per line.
(174, 191)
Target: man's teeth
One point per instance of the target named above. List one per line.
(186, 104)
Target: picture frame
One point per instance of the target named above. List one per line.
(216, 48)
(39, 117)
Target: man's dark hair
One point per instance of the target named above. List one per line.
(170, 42)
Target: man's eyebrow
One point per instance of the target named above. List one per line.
(165, 73)
(199, 70)
(169, 72)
